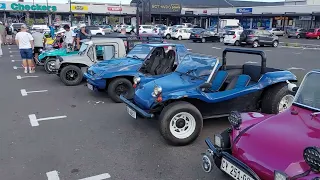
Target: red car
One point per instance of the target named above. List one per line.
(285, 146)
(313, 33)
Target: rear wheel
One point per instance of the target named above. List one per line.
(71, 75)
(276, 99)
(237, 43)
(318, 37)
(298, 36)
(289, 36)
(275, 43)
(49, 65)
(168, 36)
(225, 43)
(203, 40)
(180, 123)
(120, 86)
(180, 38)
(194, 40)
(255, 44)
(99, 34)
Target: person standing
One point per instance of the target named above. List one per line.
(69, 37)
(25, 42)
(9, 33)
(0, 47)
(82, 35)
(2, 33)
(39, 42)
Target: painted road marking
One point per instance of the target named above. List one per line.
(53, 175)
(25, 93)
(15, 67)
(98, 177)
(189, 49)
(16, 60)
(22, 77)
(13, 51)
(251, 62)
(216, 48)
(296, 52)
(35, 122)
(295, 68)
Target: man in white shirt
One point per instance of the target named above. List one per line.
(39, 42)
(25, 42)
(69, 37)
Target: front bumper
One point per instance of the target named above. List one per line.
(217, 154)
(96, 83)
(136, 108)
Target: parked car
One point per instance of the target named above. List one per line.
(232, 37)
(296, 32)
(115, 76)
(202, 88)
(256, 38)
(116, 27)
(187, 25)
(146, 29)
(130, 29)
(313, 33)
(16, 26)
(180, 34)
(167, 32)
(70, 69)
(43, 27)
(264, 146)
(159, 30)
(107, 29)
(151, 38)
(277, 31)
(206, 35)
(95, 30)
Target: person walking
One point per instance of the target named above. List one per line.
(2, 33)
(25, 42)
(82, 35)
(0, 47)
(39, 43)
(9, 33)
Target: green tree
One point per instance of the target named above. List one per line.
(113, 20)
(30, 22)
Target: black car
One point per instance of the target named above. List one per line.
(204, 36)
(296, 32)
(257, 37)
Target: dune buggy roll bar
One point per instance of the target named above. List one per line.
(245, 51)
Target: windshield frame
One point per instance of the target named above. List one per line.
(299, 91)
(85, 50)
(142, 59)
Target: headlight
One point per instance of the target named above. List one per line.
(312, 157)
(280, 176)
(218, 140)
(136, 80)
(156, 91)
(41, 50)
(207, 162)
(235, 119)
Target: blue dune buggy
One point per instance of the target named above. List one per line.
(116, 76)
(201, 89)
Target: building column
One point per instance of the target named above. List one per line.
(251, 21)
(153, 20)
(50, 19)
(271, 22)
(168, 21)
(194, 20)
(206, 23)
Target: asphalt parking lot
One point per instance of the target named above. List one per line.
(50, 132)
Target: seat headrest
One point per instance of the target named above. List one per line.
(171, 54)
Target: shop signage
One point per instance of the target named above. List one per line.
(166, 8)
(79, 8)
(188, 12)
(35, 7)
(305, 18)
(281, 18)
(114, 8)
(204, 11)
(2, 5)
(244, 10)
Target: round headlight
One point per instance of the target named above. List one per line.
(156, 91)
(312, 157)
(206, 163)
(218, 140)
(136, 80)
(235, 119)
(41, 50)
(280, 176)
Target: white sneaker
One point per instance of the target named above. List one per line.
(25, 70)
(32, 71)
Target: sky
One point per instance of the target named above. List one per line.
(108, 1)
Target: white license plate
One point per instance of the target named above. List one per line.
(233, 171)
(132, 112)
(90, 86)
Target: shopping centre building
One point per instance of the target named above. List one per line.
(300, 13)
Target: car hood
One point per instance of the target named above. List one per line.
(182, 84)
(111, 67)
(284, 137)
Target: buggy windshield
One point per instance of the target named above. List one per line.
(140, 51)
(308, 94)
(83, 48)
(197, 65)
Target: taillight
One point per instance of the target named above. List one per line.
(250, 35)
(234, 36)
(197, 35)
(134, 85)
(297, 33)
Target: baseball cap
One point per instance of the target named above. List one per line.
(24, 27)
(82, 25)
(1, 22)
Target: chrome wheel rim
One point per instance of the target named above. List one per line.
(182, 125)
(285, 102)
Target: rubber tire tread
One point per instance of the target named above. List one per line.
(63, 75)
(113, 85)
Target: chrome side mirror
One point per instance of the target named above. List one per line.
(292, 87)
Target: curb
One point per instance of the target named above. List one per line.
(300, 46)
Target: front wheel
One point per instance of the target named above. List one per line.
(71, 75)
(120, 86)
(180, 123)
(203, 40)
(276, 99)
(237, 43)
(180, 38)
(275, 44)
(49, 65)
(298, 36)
(255, 44)
(168, 36)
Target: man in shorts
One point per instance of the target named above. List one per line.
(39, 42)
(25, 42)
(2, 33)
(9, 34)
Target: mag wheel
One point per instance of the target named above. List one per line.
(180, 123)
(275, 43)
(237, 43)
(71, 75)
(276, 98)
(168, 36)
(298, 36)
(255, 44)
(203, 40)
(180, 38)
(120, 86)
(49, 65)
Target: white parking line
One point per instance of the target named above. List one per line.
(22, 77)
(189, 49)
(216, 48)
(295, 68)
(296, 52)
(15, 67)
(25, 93)
(16, 60)
(53, 175)
(251, 62)
(98, 177)
(35, 122)
(13, 51)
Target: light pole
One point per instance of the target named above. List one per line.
(160, 13)
(70, 11)
(34, 12)
(48, 11)
(218, 22)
